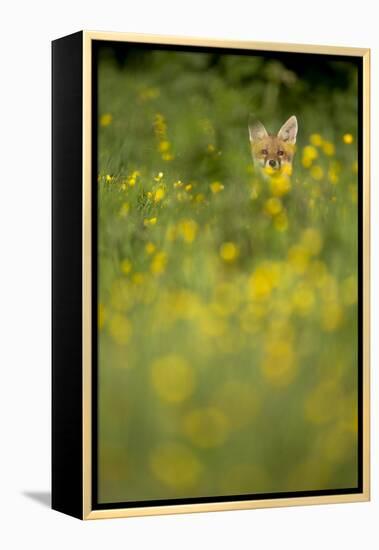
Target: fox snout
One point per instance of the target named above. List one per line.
(273, 163)
(270, 150)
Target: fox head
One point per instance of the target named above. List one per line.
(270, 150)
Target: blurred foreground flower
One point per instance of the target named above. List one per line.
(229, 252)
(173, 379)
(106, 119)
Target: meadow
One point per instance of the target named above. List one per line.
(227, 298)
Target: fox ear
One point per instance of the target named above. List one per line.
(288, 131)
(256, 129)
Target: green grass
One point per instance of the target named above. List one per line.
(228, 315)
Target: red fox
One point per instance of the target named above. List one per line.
(273, 152)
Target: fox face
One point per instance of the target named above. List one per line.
(273, 151)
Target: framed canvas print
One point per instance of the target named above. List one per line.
(210, 275)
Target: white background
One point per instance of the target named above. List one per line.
(27, 29)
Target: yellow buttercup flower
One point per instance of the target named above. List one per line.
(348, 139)
(188, 229)
(280, 186)
(106, 119)
(150, 221)
(120, 329)
(159, 194)
(329, 148)
(265, 278)
(150, 248)
(309, 154)
(273, 206)
(164, 146)
(216, 187)
(316, 140)
(158, 263)
(229, 252)
(303, 299)
(159, 176)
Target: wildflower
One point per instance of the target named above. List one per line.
(158, 263)
(348, 139)
(159, 176)
(280, 186)
(216, 187)
(133, 178)
(173, 378)
(310, 153)
(188, 229)
(178, 184)
(328, 148)
(303, 299)
(160, 126)
(199, 198)
(108, 178)
(126, 266)
(150, 221)
(316, 140)
(229, 252)
(150, 248)
(164, 146)
(120, 329)
(273, 206)
(206, 427)
(175, 465)
(167, 156)
(188, 187)
(159, 194)
(263, 280)
(106, 120)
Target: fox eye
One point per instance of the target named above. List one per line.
(264, 152)
(280, 153)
